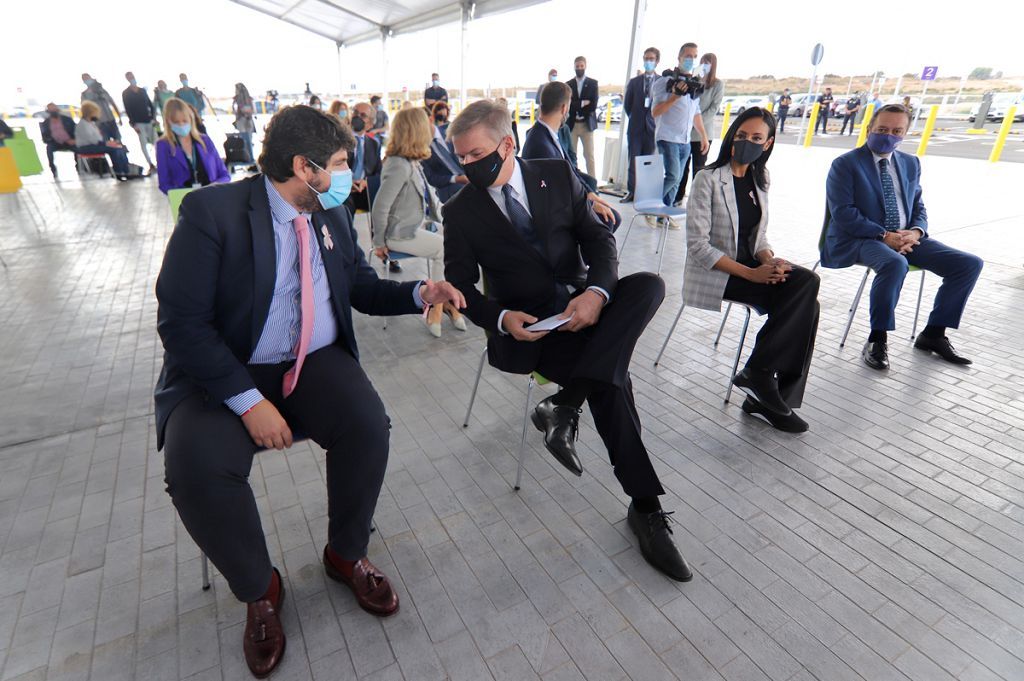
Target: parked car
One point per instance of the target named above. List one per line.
(741, 104)
(725, 101)
(800, 107)
(602, 108)
(1001, 103)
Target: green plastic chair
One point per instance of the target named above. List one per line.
(852, 312)
(175, 197)
(24, 150)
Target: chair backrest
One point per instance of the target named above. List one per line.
(824, 227)
(175, 197)
(650, 178)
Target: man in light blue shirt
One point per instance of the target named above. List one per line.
(676, 111)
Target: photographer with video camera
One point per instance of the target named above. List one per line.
(676, 110)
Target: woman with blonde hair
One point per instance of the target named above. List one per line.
(404, 216)
(339, 109)
(184, 156)
(90, 140)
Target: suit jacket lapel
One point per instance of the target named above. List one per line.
(729, 194)
(901, 172)
(537, 197)
(867, 159)
(494, 219)
(264, 257)
(331, 257)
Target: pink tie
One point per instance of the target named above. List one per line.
(291, 377)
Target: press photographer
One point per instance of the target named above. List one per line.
(676, 110)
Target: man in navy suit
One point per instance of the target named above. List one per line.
(542, 141)
(443, 171)
(583, 112)
(255, 313)
(878, 219)
(637, 104)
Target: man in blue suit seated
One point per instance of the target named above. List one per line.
(878, 219)
(443, 171)
(255, 313)
(542, 141)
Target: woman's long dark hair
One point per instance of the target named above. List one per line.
(758, 166)
(712, 61)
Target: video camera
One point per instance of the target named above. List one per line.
(683, 83)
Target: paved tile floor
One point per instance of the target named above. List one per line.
(886, 543)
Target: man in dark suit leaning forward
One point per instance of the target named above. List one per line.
(255, 312)
(530, 227)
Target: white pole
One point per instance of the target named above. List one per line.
(917, 114)
(341, 74)
(384, 68)
(622, 162)
(466, 15)
(807, 103)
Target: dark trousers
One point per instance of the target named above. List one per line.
(959, 272)
(697, 161)
(638, 145)
(52, 147)
(208, 454)
(848, 118)
(783, 113)
(118, 156)
(359, 201)
(822, 121)
(786, 341)
(601, 354)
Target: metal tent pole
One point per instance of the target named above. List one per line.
(622, 162)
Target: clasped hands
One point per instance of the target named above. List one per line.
(585, 310)
(771, 271)
(902, 241)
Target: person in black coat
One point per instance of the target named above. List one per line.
(61, 140)
(583, 112)
(243, 368)
(529, 227)
(443, 171)
(637, 106)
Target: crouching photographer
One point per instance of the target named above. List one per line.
(676, 110)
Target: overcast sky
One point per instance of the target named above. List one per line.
(219, 43)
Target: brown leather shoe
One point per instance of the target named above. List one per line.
(372, 589)
(264, 640)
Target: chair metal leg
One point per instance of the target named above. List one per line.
(670, 331)
(816, 263)
(917, 311)
(522, 442)
(725, 317)
(739, 351)
(3, 262)
(625, 237)
(206, 572)
(476, 384)
(387, 277)
(854, 305)
(664, 244)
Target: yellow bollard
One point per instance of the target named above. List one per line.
(811, 122)
(771, 107)
(1004, 131)
(608, 117)
(725, 118)
(869, 112)
(533, 113)
(929, 126)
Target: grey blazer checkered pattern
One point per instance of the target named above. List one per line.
(712, 225)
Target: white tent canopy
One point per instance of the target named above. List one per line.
(348, 23)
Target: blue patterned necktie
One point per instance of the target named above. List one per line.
(520, 218)
(892, 212)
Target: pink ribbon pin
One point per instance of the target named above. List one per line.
(328, 241)
(543, 184)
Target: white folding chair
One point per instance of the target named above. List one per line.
(648, 199)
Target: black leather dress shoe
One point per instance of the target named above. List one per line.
(656, 543)
(876, 355)
(787, 424)
(394, 266)
(941, 347)
(560, 425)
(762, 386)
(628, 198)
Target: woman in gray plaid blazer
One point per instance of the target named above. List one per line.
(729, 258)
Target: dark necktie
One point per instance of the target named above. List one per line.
(520, 218)
(892, 212)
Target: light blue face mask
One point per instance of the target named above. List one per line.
(342, 113)
(649, 65)
(181, 130)
(686, 64)
(184, 83)
(133, 82)
(436, 82)
(337, 193)
(553, 77)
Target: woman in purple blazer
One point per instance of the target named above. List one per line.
(185, 157)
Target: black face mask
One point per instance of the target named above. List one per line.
(746, 152)
(482, 174)
(440, 118)
(358, 124)
(55, 114)
(580, 72)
